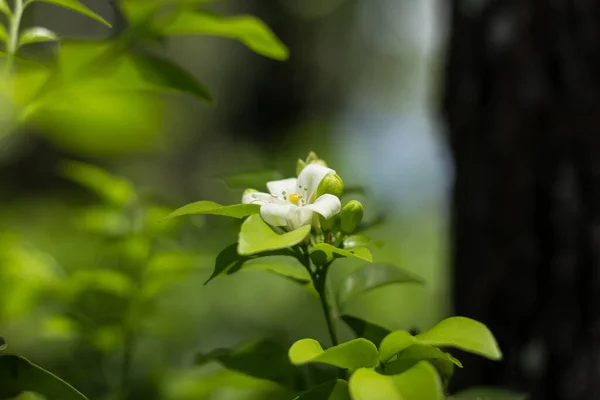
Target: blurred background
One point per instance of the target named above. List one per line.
(470, 124)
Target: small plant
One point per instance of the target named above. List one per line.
(303, 218)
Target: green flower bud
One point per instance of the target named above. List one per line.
(351, 215)
(320, 162)
(300, 166)
(327, 224)
(331, 184)
(312, 156)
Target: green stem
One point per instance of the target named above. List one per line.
(328, 317)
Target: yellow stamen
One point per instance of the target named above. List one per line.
(295, 198)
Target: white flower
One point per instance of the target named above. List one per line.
(289, 204)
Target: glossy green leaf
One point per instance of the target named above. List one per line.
(228, 260)
(249, 30)
(19, 375)
(333, 390)
(487, 393)
(465, 334)
(420, 352)
(263, 358)
(351, 355)
(256, 236)
(323, 253)
(421, 382)
(394, 343)
(372, 276)
(114, 189)
(36, 35)
(212, 208)
(354, 241)
(366, 384)
(366, 330)
(75, 5)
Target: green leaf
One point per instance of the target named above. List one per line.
(148, 72)
(249, 30)
(323, 253)
(227, 260)
(333, 390)
(366, 330)
(256, 237)
(372, 276)
(276, 265)
(263, 358)
(20, 375)
(76, 6)
(465, 334)
(4, 8)
(394, 343)
(212, 208)
(354, 241)
(114, 189)
(351, 355)
(487, 393)
(255, 179)
(421, 382)
(37, 34)
(3, 34)
(366, 384)
(416, 353)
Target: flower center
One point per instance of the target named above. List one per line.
(295, 198)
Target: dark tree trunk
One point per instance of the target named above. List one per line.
(522, 104)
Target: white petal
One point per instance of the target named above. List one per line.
(283, 188)
(256, 198)
(299, 216)
(276, 214)
(310, 178)
(327, 205)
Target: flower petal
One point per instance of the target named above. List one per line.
(299, 216)
(276, 214)
(256, 198)
(282, 188)
(327, 205)
(310, 178)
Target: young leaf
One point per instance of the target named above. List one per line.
(367, 330)
(421, 382)
(36, 35)
(333, 390)
(419, 352)
(487, 393)
(256, 236)
(114, 189)
(372, 276)
(20, 375)
(366, 384)
(212, 208)
(351, 355)
(249, 30)
(76, 6)
(323, 253)
(465, 334)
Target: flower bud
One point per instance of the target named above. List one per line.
(300, 166)
(327, 224)
(351, 215)
(312, 156)
(331, 184)
(320, 162)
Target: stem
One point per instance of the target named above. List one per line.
(13, 36)
(328, 317)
